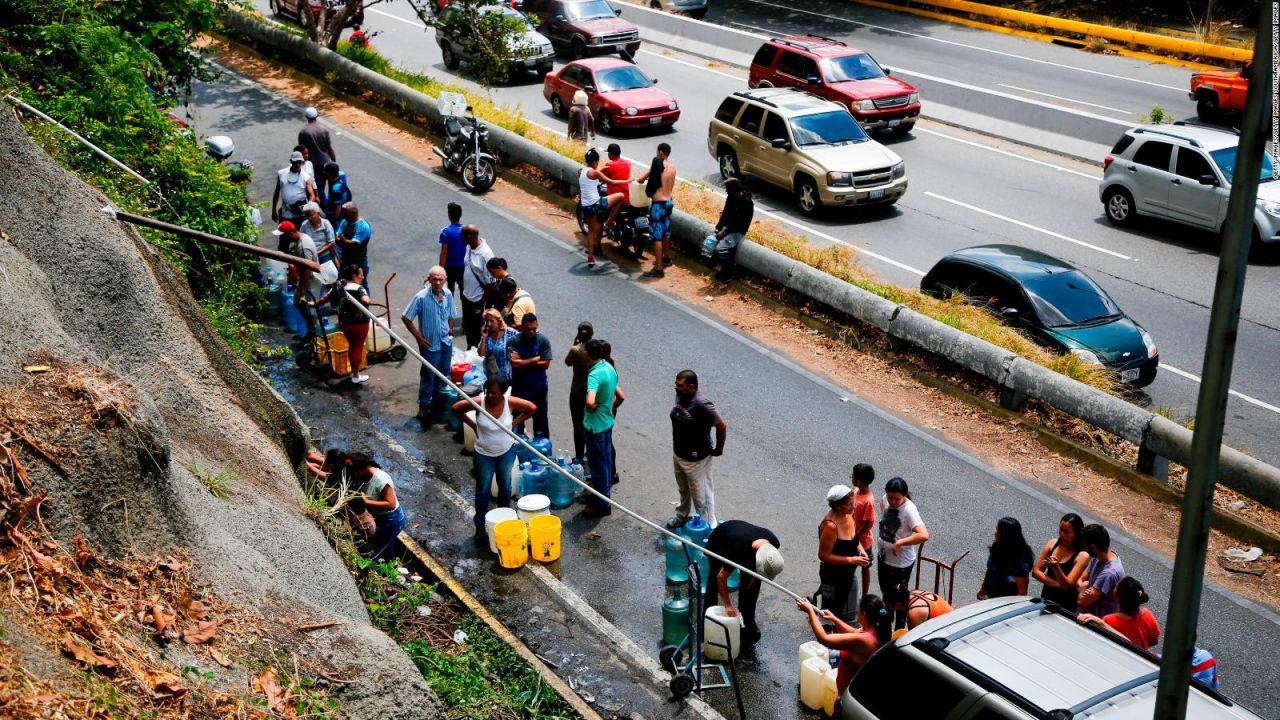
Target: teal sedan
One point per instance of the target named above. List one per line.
(1051, 301)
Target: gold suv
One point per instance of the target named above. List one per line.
(804, 143)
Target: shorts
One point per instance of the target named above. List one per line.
(660, 219)
(599, 209)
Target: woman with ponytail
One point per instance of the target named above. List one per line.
(1133, 622)
(855, 645)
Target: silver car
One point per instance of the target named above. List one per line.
(1183, 173)
(1015, 658)
(531, 50)
(695, 9)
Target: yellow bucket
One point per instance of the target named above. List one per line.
(544, 538)
(512, 539)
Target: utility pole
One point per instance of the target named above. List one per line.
(1211, 406)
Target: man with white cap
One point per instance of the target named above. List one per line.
(293, 191)
(316, 138)
(752, 547)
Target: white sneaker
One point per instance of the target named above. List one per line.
(359, 379)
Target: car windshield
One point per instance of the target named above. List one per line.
(589, 10)
(517, 15)
(621, 78)
(1066, 299)
(828, 128)
(1226, 159)
(851, 67)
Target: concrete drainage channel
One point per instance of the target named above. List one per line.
(1159, 440)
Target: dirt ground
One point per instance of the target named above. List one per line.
(1007, 445)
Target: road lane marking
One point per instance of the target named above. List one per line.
(1028, 226)
(1059, 97)
(1180, 90)
(1008, 153)
(406, 21)
(1196, 379)
(693, 65)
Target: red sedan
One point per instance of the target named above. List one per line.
(619, 94)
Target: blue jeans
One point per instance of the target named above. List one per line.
(485, 468)
(385, 545)
(600, 462)
(428, 383)
(727, 247)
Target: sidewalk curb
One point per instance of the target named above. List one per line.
(547, 674)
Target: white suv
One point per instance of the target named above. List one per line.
(1183, 173)
(1015, 658)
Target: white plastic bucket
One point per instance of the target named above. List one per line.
(491, 520)
(713, 633)
(531, 505)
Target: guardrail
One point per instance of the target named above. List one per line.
(1078, 27)
(1158, 439)
(736, 47)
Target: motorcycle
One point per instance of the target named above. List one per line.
(465, 152)
(630, 228)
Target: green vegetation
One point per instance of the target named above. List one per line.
(111, 71)
(491, 34)
(221, 483)
(1157, 116)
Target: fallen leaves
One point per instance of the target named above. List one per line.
(219, 658)
(80, 651)
(267, 684)
(199, 633)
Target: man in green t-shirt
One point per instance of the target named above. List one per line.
(602, 400)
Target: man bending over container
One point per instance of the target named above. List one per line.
(749, 546)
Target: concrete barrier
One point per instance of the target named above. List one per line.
(1157, 438)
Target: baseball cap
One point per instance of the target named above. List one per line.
(311, 113)
(296, 156)
(284, 227)
(768, 561)
(838, 493)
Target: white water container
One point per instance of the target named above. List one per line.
(491, 520)
(813, 648)
(637, 197)
(713, 633)
(829, 691)
(531, 505)
(812, 671)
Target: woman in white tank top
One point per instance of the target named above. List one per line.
(594, 207)
(495, 451)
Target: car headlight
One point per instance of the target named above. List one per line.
(1270, 207)
(1152, 351)
(913, 98)
(839, 178)
(631, 111)
(899, 170)
(548, 49)
(864, 105)
(596, 40)
(672, 105)
(1088, 357)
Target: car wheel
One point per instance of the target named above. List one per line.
(557, 106)
(655, 5)
(1119, 206)
(728, 161)
(764, 84)
(450, 59)
(903, 129)
(698, 14)
(542, 71)
(577, 48)
(807, 195)
(1207, 107)
(275, 8)
(606, 123)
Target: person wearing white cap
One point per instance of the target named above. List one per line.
(582, 124)
(752, 547)
(316, 138)
(839, 552)
(293, 191)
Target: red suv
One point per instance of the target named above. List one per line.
(837, 72)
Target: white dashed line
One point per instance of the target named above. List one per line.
(1070, 100)
(1028, 226)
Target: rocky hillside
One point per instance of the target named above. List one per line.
(153, 533)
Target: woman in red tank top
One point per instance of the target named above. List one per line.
(855, 644)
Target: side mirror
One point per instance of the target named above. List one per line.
(469, 109)
(1209, 179)
(589, 89)
(617, 12)
(781, 144)
(886, 70)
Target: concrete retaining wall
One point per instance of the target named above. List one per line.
(1157, 437)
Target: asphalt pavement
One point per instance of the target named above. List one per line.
(791, 433)
(967, 188)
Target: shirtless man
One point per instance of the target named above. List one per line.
(660, 184)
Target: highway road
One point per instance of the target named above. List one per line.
(793, 449)
(968, 188)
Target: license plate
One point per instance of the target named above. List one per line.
(875, 194)
(655, 120)
(1129, 375)
(642, 222)
(895, 122)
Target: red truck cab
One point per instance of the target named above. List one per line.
(833, 70)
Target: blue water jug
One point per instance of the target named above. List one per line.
(708, 245)
(474, 376)
(533, 479)
(292, 318)
(562, 488)
(446, 396)
(523, 454)
(675, 619)
(697, 530)
(272, 308)
(735, 579)
(677, 563)
(542, 444)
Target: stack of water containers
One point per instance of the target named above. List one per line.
(561, 489)
(675, 610)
